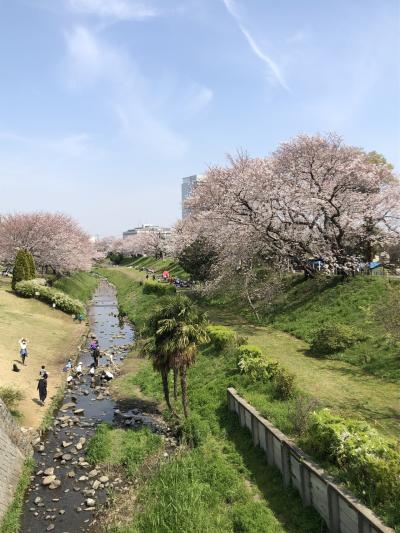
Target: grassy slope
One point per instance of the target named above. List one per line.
(80, 285)
(158, 265)
(53, 336)
(209, 482)
(11, 520)
(306, 306)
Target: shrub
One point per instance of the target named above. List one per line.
(222, 337)
(32, 289)
(30, 262)
(284, 382)
(11, 397)
(156, 287)
(253, 363)
(21, 270)
(194, 430)
(368, 460)
(332, 339)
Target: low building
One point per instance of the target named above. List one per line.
(147, 229)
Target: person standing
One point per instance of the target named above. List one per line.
(23, 349)
(42, 371)
(42, 388)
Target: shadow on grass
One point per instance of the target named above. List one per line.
(285, 503)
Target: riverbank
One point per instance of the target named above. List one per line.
(216, 481)
(53, 337)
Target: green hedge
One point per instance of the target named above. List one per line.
(222, 337)
(366, 459)
(31, 289)
(156, 287)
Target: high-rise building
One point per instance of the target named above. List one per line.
(188, 185)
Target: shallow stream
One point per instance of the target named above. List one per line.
(69, 503)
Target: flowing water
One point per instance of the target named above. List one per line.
(65, 509)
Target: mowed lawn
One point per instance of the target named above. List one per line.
(53, 337)
(339, 385)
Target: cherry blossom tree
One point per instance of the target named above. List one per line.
(313, 198)
(55, 240)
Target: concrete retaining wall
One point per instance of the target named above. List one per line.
(14, 448)
(341, 511)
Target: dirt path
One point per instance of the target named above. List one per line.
(53, 337)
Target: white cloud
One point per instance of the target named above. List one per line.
(198, 99)
(117, 9)
(91, 61)
(69, 146)
(273, 67)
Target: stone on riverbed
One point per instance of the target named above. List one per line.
(71, 474)
(79, 411)
(93, 473)
(55, 484)
(66, 444)
(66, 457)
(90, 502)
(103, 479)
(48, 480)
(67, 406)
(49, 471)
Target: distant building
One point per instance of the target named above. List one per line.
(147, 228)
(188, 185)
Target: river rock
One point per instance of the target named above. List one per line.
(67, 406)
(79, 411)
(90, 502)
(66, 457)
(58, 455)
(103, 479)
(49, 471)
(55, 484)
(48, 480)
(96, 484)
(79, 446)
(83, 478)
(93, 473)
(71, 474)
(50, 527)
(66, 444)
(61, 511)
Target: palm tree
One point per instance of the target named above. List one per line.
(178, 328)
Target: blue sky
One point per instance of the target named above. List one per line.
(106, 104)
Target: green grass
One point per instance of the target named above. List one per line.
(125, 448)
(158, 265)
(12, 518)
(307, 306)
(201, 491)
(80, 285)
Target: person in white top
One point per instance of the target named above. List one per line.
(23, 349)
(78, 369)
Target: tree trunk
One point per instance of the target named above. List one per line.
(164, 376)
(184, 392)
(176, 372)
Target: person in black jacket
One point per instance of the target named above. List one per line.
(42, 388)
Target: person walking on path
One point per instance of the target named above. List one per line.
(42, 388)
(23, 349)
(42, 371)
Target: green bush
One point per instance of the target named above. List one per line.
(30, 262)
(156, 287)
(284, 383)
(222, 337)
(32, 289)
(367, 460)
(194, 430)
(253, 363)
(11, 397)
(333, 339)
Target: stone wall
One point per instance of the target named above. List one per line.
(14, 448)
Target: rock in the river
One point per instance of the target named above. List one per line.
(71, 474)
(49, 471)
(79, 411)
(96, 484)
(48, 480)
(67, 406)
(58, 455)
(50, 527)
(37, 500)
(67, 457)
(93, 473)
(103, 479)
(83, 478)
(55, 484)
(90, 502)
(66, 444)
